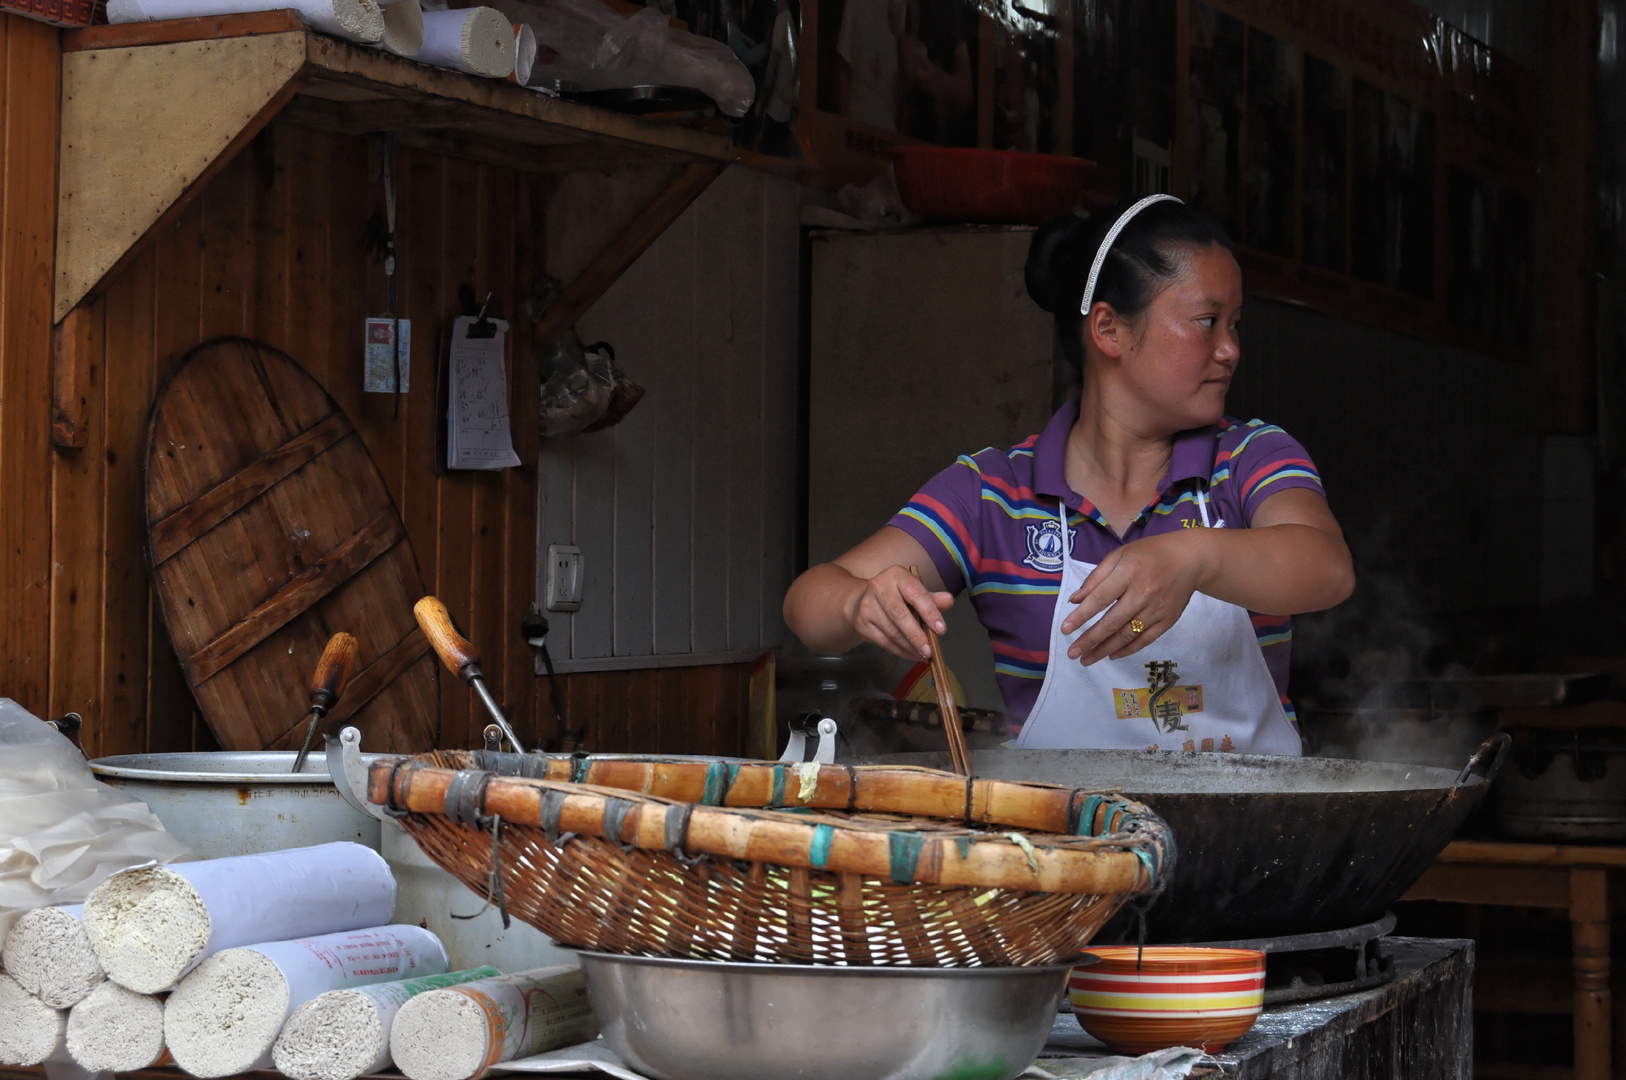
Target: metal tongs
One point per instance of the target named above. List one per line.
(460, 658)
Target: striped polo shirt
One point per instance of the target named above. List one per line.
(990, 524)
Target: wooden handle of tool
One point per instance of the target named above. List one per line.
(333, 670)
(452, 647)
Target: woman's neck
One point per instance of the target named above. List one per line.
(1114, 460)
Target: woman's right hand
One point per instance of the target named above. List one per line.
(868, 594)
(889, 609)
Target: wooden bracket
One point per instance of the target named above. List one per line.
(610, 263)
(74, 346)
(143, 128)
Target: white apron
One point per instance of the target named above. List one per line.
(1203, 685)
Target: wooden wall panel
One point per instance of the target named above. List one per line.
(697, 710)
(274, 249)
(685, 511)
(29, 56)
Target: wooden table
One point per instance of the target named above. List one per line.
(1549, 876)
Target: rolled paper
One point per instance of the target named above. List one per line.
(30, 1030)
(49, 954)
(224, 1017)
(524, 53)
(478, 40)
(403, 27)
(357, 20)
(346, 1033)
(461, 1032)
(152, 924)
(118, 1029)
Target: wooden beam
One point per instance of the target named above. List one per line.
(74, 347)
(624, 250)
(163, 32)
(217, 504)
(303, 590)
(143, 129)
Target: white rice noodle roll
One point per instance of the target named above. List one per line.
(118, 1029)
(30, 1030)
(153, 924)
(346, 1033)
(224, 1018)
(355, 20)
(462, 1032)
(477, 40)
(403, 27)
(524, 53)
(49, 954)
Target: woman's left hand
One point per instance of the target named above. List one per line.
(1150, 580)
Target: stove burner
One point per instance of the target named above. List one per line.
(1305, 967)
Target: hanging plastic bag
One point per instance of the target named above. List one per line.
(586, 391)
(577, 391)
(585, 44)
(62, 831)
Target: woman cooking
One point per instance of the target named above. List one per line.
(1137, 561)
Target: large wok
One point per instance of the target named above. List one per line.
(1268, 846)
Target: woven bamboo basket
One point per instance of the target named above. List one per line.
(774, 862)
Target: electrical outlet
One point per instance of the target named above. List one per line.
(564, 578)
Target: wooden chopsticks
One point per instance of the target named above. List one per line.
(947, 711)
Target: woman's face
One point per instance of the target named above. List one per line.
(1179, 359)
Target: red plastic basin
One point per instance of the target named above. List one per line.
(997, 187)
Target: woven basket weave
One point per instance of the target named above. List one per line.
(780, 863)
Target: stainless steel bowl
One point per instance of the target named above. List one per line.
(713, 1020)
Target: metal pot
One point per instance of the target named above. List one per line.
(238, 802)
(1567, 784)
(716, 1020)
(1268, 846)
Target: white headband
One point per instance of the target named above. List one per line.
(1106, 245)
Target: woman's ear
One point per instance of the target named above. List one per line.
(1108, 332)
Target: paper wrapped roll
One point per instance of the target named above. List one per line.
(461, 1032)
(478, 40)
(224, 1017)
(30, 1030)
(357, 20)
(403, 27)
(49, 954)
(345, 1033)
(118, 1029)
(153, 924)
(524, 53)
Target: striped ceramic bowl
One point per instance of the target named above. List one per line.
(1175, 996)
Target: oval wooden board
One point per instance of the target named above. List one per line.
(269, 530)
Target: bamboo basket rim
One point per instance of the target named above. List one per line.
(843, 819)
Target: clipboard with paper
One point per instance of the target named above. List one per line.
(477, 430)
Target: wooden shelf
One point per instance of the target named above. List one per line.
(150, 111)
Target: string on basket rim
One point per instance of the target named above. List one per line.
(550, 805)
(615, 820)
(677, 834)
(389, 808)
(494, 891)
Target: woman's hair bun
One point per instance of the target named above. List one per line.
(1054, 274)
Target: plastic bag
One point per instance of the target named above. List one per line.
(585, 43)
(62, 831)
(587, 390)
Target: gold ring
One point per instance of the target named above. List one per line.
(1136, 626)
